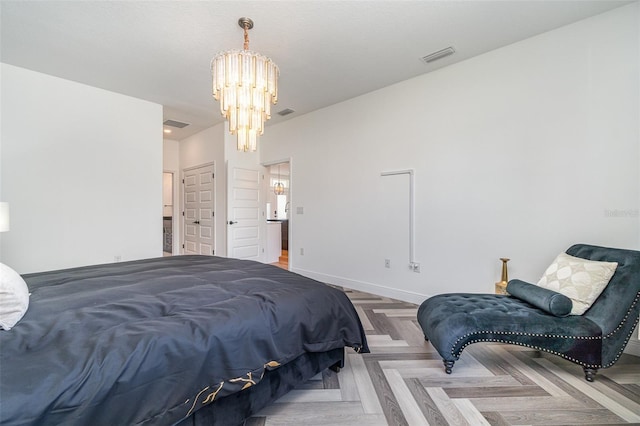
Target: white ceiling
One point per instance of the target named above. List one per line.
(327, 51)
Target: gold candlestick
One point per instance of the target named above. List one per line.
(501, 286)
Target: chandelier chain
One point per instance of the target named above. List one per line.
(246, 36)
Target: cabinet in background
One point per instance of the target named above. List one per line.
(274, 242)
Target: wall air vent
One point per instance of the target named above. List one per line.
(285, 112)
(174, 123)
(438, 55)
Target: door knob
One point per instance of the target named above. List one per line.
(197, 222)
(231, 222)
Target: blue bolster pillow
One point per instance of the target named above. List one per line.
(548, 300)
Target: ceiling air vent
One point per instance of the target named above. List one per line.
(174, 123)
(285, 112)
(438, 55)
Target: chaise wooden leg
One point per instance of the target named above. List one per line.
(448, 365)
(589, 373)
(335, 367)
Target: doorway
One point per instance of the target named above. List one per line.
(167, 213)
(278, 207)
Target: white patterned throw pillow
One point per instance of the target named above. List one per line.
(581, 280)
(14, 297)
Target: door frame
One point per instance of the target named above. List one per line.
(291, 244)
(213, 207)
(175, 224)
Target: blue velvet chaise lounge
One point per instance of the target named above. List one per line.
(594, 340)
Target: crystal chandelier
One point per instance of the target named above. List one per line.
(278, 188)
(246, 84)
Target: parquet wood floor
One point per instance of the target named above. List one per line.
(402, 382)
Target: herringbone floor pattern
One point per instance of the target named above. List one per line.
(402, 382)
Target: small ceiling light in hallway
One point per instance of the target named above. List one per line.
(278, 187)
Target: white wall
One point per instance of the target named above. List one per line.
(207, 147)
(517, 153)
(82, 171)
(171, 155)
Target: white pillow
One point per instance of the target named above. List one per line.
(581, 280)
(14, 297)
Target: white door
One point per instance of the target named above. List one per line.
(244, 216)
(198, 210)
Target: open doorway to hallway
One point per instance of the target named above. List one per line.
(278, 202)
(167, 214)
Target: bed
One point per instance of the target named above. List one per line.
(185, 340)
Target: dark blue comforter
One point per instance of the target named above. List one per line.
(151, 341)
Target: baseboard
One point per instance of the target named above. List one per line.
(394, 293)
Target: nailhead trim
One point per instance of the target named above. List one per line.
(518, 333)
(619, 327)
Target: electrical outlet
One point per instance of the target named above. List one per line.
(387, 263)
(117, 258)
(301, 251)
(299, 210)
